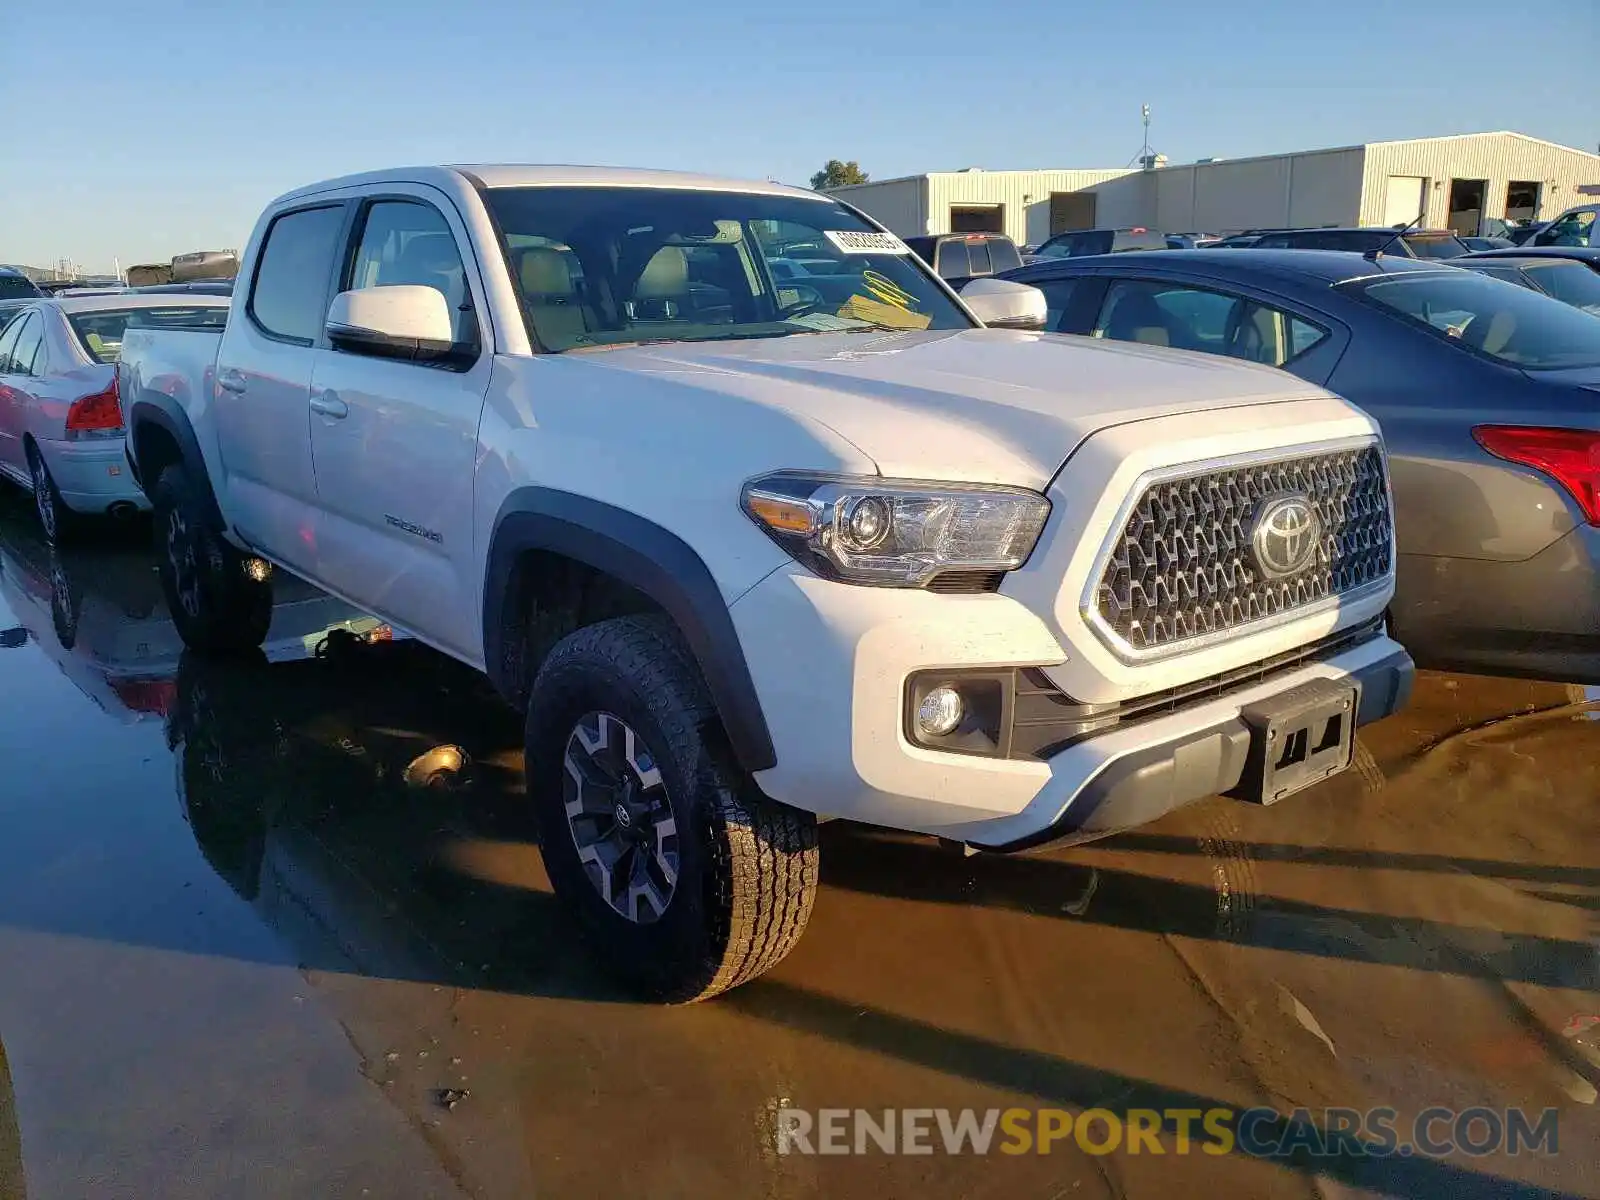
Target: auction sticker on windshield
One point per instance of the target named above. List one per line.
(866, 241)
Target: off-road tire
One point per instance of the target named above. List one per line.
(747, 866)
(217, 607)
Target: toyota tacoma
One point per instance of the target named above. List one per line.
(755, 551)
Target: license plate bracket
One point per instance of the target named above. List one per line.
(1298, 738)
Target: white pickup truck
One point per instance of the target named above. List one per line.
(754, 551)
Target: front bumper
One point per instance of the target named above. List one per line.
(92, 475)
(830, 664)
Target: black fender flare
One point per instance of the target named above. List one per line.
(169, 416)
(652, 561)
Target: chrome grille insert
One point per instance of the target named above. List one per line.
(1185, 568)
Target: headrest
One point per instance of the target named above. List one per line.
(666, 274)
(545, 272)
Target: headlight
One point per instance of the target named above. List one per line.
(895, 532)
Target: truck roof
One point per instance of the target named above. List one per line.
(507, 175)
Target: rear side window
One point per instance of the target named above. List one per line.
(29, 350)
(1164, 314)
(953, 260)
(1057, 297)
(289, 297)
(8, 341)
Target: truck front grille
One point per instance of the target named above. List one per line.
(1188, 563)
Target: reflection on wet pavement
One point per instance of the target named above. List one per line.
(281, 929)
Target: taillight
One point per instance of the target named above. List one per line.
(1569, 456)
(100, 413)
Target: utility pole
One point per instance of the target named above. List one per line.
(1144, 112)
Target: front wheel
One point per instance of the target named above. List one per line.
(218, 606)
(685, 880)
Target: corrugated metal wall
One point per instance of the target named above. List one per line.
(1496, 157)
(898, 203)
(1322, 187)
(1025, 195)
(1319, 188)
(1127, 201)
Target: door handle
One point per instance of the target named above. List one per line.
(329, 405)
(231, 381)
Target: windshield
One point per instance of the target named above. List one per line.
(1511, 324)
(17, 287)
(100, 332)
(608, 266)
(1572, 283)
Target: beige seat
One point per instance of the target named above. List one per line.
(1136, 317)
(1499, 333)
(555, 305)
(662, 293)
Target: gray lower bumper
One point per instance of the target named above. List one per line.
(1139, 787)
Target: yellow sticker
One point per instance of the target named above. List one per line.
(864, 308)
(887, 290)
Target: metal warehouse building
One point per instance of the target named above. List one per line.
(1453, 182)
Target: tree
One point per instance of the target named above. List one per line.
(837, 174)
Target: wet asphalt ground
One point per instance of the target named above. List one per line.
(261, 936)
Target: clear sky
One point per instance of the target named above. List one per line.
(139, 129)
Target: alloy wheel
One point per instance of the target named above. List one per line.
(44, 498)
(620, 817)
(182, 559)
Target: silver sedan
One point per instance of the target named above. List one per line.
(61, 428)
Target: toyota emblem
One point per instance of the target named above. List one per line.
(1285, 536)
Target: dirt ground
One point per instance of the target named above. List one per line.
(250, 946)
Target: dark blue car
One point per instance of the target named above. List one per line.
(1489, 399)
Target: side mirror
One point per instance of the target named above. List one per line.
(1002, 304)
(398, 321)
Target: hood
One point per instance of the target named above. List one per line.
(975, 405)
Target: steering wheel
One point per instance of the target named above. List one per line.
(809, 302)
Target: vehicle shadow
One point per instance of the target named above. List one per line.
(1057, 1081)
(913, 869)
(313, 791)
(1381, 860)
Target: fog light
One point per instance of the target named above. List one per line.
(940, 712)
(257, 570)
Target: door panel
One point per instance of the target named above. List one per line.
(395, 442)
(263, 387)
(11, 401)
